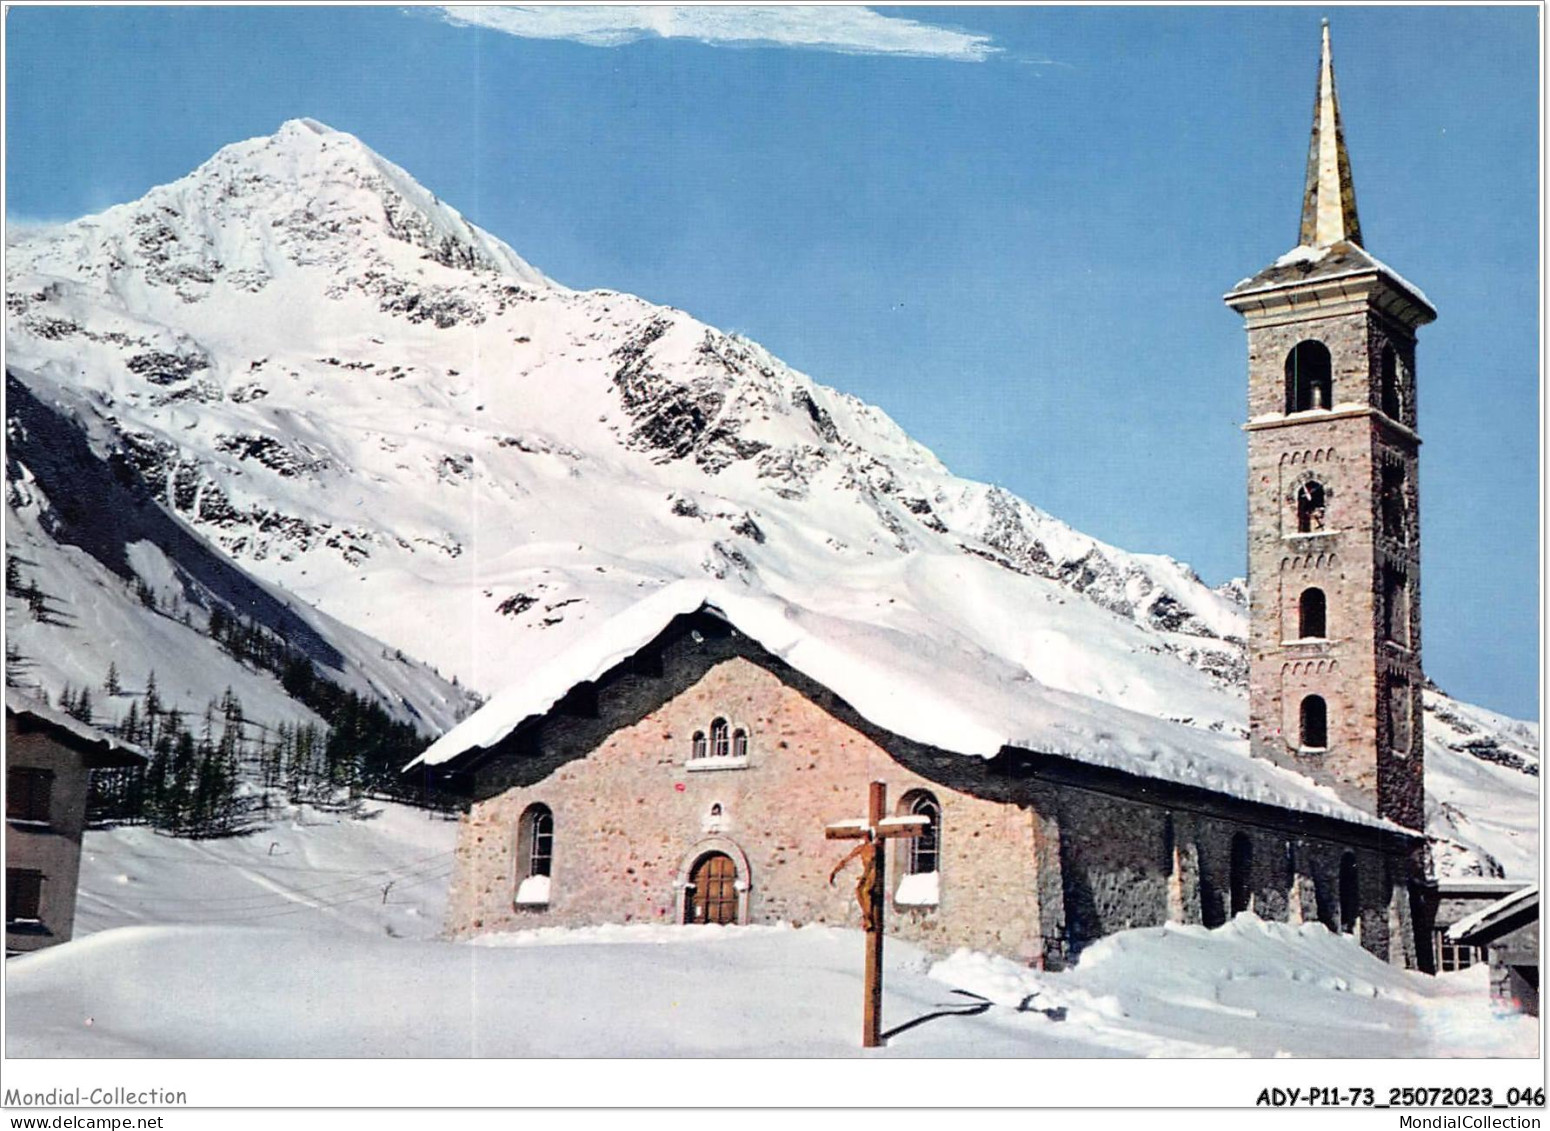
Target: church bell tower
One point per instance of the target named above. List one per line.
(1334, 538)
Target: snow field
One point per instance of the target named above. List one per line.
(1248, 989)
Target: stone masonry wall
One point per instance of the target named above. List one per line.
(1127, 864)
(1030, 868)
(633, 816)
(1357, 671)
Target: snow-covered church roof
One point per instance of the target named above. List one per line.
(942, 693)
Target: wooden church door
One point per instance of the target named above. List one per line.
(713, 896)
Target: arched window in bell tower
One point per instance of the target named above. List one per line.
(1314, 723)
(1391, 502)
(1310, 615)
(1394, 617)
(1310, 507)
(1308, 377)
(1388, 377)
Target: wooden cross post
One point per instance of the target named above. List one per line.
(873, 830)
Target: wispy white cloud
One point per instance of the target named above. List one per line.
(855, 31)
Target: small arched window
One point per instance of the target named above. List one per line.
(1314, 723)
(1391, 502)
(924, 854)
(1310, 615)
(1310, 507)
(535, 855)
(539, 821)
(697, 748)
(1240, 870)
(1350, 894)
(739, 743)
(720, 739)
(1400, 711)
(1396, 607)
(1388, 382)
(1308, 377)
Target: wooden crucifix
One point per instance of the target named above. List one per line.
(874, 830)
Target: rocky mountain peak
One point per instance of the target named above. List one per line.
(370, 405)
(307, 196)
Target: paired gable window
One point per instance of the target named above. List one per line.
(724, 742)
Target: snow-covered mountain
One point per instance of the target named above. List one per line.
(381, 417)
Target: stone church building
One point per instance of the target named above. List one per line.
(682, 764)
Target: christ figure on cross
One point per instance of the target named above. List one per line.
(873, 831)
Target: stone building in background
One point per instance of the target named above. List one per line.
(1508, 930)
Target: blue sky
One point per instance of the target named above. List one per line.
(1009, 227)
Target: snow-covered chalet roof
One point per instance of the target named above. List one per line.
(1481, 922)
(113, 751)
(942, 693)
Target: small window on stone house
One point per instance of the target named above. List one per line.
(1310, 507)
(1455, 956)
(720, 739)
(28, 793)
(1311, 615)
(739, 743)
(23, 895)
(697, 747)
(1308, 377)
(1314, 723)
(535, 855)
(1388, 384)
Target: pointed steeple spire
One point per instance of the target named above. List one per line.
(1329, 200)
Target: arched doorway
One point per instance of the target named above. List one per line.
(712, 895)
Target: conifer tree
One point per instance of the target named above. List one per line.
(129, 728)
(152, 708)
